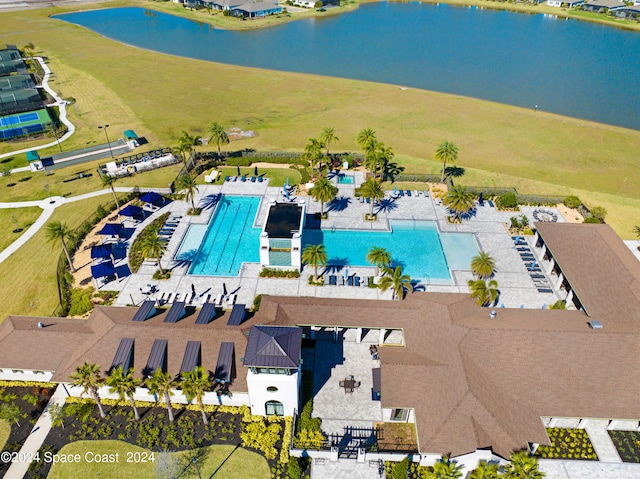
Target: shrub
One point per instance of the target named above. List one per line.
(256, 302)
(400, 469)
(572, 202)
(294, 470)
(279, 273)
(592, 219)
(308, 439)
(599, 212)
(135, 253)
(262, 437)
(507, 201)
(560, 304)
(81, 301)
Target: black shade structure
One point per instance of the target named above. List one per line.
(226, 366)
(273, 347)
(124, 355)
(206, 314)
(145, 311)
(176, 312)
(157, 357)
(284, 219)
(237, 315)
(192, 357)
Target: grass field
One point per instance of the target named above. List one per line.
(224, 461)
(25, 218)
(5, 430)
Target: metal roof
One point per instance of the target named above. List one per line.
(226, 366)
(206, 314)
(124, 355)
(273, 346)
(237, 315)
(176, 312)
(157, 357)
(192, 357)
(145, 311)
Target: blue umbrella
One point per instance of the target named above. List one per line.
(110, 229)
(152, 198)
(131, 210)
(103, 269)
(101, 251)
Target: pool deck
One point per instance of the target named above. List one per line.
(346, 212)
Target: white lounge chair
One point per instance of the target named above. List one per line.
(188, 297)
(205, 299)
(171, 298)
(218, 300)
(231, 300)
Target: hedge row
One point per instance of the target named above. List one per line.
(279, 160)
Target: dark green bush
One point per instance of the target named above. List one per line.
(592, 219)
(256, 302)
(507, 201)
(81, 301)
(279, 273)
(572, 201)
(294, 470)
(599, 212)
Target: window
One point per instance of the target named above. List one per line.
(272, 389)
(274, 408)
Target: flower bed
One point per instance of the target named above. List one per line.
(567, 444)
(627, 444)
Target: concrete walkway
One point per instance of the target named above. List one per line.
(62, 106)
(49, 205)
(39, 433)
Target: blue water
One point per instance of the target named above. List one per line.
(415, 245)
(230, 239)
(569, 67)
(345, 179)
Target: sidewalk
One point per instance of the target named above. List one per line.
(17, 470)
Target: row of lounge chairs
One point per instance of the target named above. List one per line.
(170, 298)
(539, 279)
(253, 179)
(219, 299)
(146, 156)
(169, 227)
(353, 280)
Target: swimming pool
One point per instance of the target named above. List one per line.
(418, 246)
(345, 179)
(220, 248)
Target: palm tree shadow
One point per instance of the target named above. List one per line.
(210, 201)
(339, 203)
(418, 286)
(386, 205)
(454, 171)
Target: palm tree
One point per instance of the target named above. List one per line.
(313, 153)
(371, 189)
(88, 377)
(123, 383)
(218, 136)
(486, 293)
(151, 246)
(194, 384)
(366, 138)
(160, 384)
(328, 136)
(378, 256)
(483, 265)
(522, 466)
(108, 181)
(56, 230)
(445, 468)
(446, 152)
(393, 278)
(484, 470)
(316, 255)
(187, 184)
(189, 142)
(323, 191)
(459, 201)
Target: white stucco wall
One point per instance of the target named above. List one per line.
(287, 392)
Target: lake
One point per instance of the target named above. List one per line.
(579, 69)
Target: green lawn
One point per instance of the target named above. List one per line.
(25, 217)
(5, 430)
(238, 464)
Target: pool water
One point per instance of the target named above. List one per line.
(220, 248)
(417, 246)
(345, 179)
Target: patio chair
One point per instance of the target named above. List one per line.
(188, 297)
(401, 193)
(408, 192)
(227, 178)
(253, 179)
(356, 281)
(259, 179)
(350, 281)
(218, 300)
(205, 299)
(333, 281)
(341, 280)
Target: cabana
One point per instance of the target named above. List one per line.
(131, 211)
(152, 199)
(104, 251)
(103, 270)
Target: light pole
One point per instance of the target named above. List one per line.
(104, 127)
(57, 139)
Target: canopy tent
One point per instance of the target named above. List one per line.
(111, 229)
(130, 135)
(131, 210)
(32, 156)
(152, 198)
(101, 251)
(103, 269)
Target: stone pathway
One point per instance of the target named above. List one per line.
(344, 469)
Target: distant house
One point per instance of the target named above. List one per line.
(564, 3)
(305, 3)
(602, 6)
(242, 8)
(632, 11)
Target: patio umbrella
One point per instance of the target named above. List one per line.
(101, 251)
(346, 272)
(193, 289)
(152, 198)
(131, 210)
(255, 171)
(224, 288)
(238, 170)
(110, 229)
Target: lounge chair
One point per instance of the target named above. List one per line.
(333, 281)
(231, 300)
(253, 179)
(401, 193)
(545, 290)
(162, 298)
(218, 300)
(341, 280)
(188, 297)
(205, 299)
(408, 192)
(537, 276)
(491, 203)
(227, 178)
(259, 179)
(171, 298)
(243, 178)
(350, 281)
(356, 281)
(368, 200)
